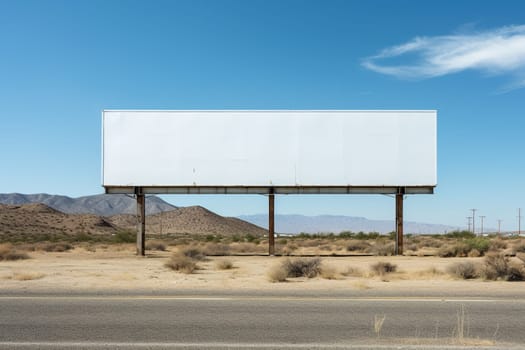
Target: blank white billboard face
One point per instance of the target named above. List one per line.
(269, 148)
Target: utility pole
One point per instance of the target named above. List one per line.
(519, 221)
(482, 217)
(473, 220)
(469, 218)
(160, 223)
(499, 227)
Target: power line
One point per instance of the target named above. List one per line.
(519, 221)
(482, 217)
(469, 218)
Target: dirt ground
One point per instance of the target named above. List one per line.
(117, 268)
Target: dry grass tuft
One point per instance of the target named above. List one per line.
(247, 248)
(464, 270)
(362, 285)
(27, 276)
(194, 253)
(216, 249)
(382, 249)
(55, 247)
(431, 272)
(497, 244)
(182, 263)
(9, 253)
(329, 272)
(277, 274)
(378, 324)
(357, 246)
(519, 247)
(156, 245)
(224, 265)
(352, 272)
(382, 268)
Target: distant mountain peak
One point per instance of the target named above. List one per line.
(101, 204)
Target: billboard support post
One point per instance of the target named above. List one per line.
(271, 223)
(141, 215)
(399, 221)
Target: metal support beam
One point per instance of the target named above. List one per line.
(141, 226)
(271, 223)
(399, 221)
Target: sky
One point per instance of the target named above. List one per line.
(63, 62)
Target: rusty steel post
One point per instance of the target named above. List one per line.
(271, 223)
(399, 222)
(141, 227)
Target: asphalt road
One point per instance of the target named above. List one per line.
(185, 322)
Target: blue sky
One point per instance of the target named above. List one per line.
(62, 62)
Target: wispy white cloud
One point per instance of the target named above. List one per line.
(496, 52)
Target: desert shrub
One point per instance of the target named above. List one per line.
(497, 244)
(329, 272)
(224, 265)
(382, 249)
(481, 244)
(465, 270)
(359, 245)
(90, 248)
(495, 266)
(288, 249)
(181, 263)
(303, 267)
(460, 234)
(381, 268)
(9, 253)
(498, 266)
(277, 273)
(352, 271)
(412, 246)
(55, 247)
(515, 272)
(430, 242)
(156, 245)
(519, 247)
(245, 248)
(474, 253)
(124, 237)
(459, 249)
(193, 253)
(216, 249)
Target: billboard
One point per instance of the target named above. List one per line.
(221, 149)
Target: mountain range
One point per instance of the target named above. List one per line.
(293, 224)
(113, 205)
(100, 204)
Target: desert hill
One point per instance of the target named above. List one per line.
(190, 220)
(37, 218)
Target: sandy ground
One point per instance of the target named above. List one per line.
(116, 268)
